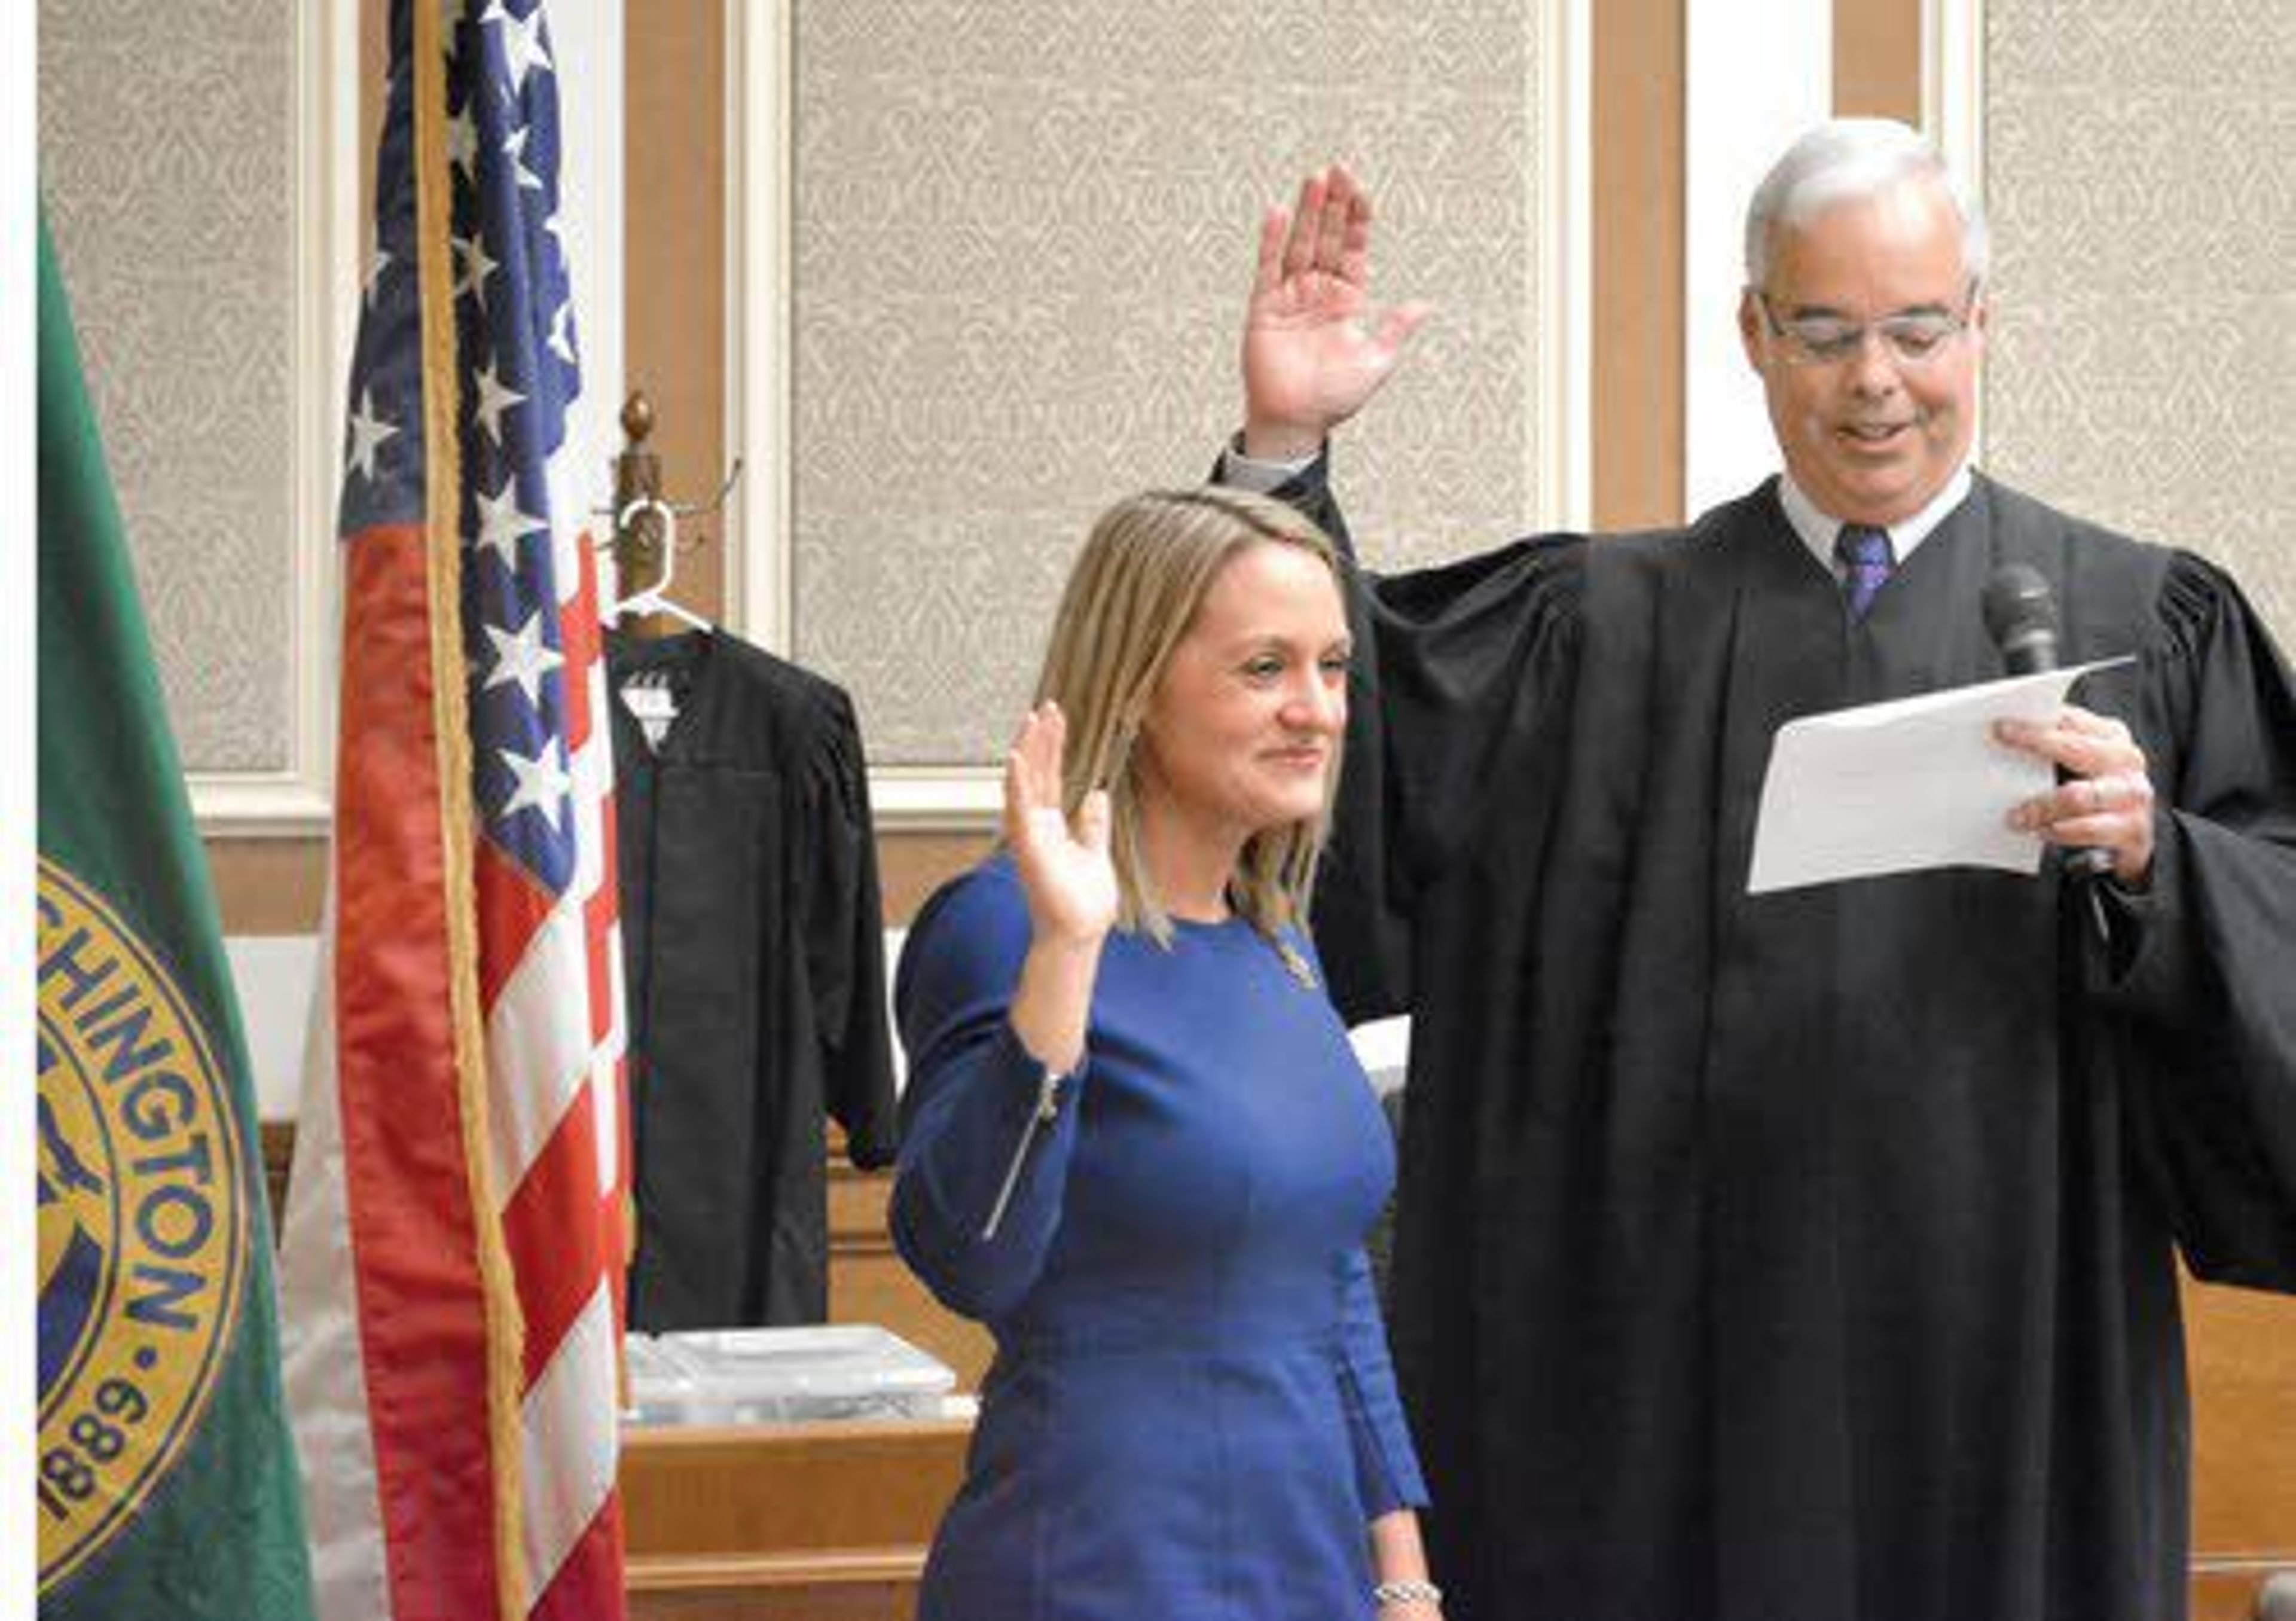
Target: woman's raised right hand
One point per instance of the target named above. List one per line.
(1065, 870)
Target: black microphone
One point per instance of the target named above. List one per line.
(2020, 616)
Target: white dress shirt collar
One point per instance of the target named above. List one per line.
(1817, 528)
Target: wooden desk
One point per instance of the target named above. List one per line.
(2242, 1349)
(799, 1522)
(869, 1282)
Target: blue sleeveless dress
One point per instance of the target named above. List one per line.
(1191, 1414)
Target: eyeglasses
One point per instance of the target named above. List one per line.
(1914, 339)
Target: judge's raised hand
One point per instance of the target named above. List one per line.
(1315, 346)
(1065, 871)
(2106, 802)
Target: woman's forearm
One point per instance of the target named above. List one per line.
(1051, 1007)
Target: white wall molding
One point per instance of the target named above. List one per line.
(760, 294)
(587, 39)
(1953, 83)
(1758, 73)
(1953, 113)
(1565, 313)
(936, 799)
(329, 245)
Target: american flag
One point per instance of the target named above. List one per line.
(456, 1229)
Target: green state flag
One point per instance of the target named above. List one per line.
(167, 1487)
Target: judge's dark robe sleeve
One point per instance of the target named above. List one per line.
(1455, 668)
(1461, 696)
(2208, 994)
(842, 929)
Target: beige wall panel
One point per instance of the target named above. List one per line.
(279, 885)
(2140, 166)
(1877, 60)
(1022, 231)
(674, 257)
(910, 866)
(166, 166)
(269, 886)
(1637, 163)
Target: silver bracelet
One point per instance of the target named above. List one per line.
(1406, 1592)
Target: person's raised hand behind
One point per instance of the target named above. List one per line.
(1315, 347)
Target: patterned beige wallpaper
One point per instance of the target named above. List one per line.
(2140, 167)
(1023, 230)
(167, 156)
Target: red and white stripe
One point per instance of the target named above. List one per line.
(385, 1329)
(554, 1042)
(388, 1324)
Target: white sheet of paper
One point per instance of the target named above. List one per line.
(1900, 786)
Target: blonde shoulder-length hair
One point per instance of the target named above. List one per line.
(1130, 599)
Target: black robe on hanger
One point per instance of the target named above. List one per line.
(753, 940)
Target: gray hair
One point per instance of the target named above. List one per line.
(1846, 160)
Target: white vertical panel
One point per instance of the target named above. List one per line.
(1953, 84)
(1953, 110)
(587, 45)
(760, 142)
(1758, 73)
(1566, 484)
(274, 976)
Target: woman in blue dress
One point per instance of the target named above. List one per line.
(1137, 1144)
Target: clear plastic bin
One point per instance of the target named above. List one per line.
(768, 1375)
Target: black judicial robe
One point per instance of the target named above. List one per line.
(1807, 1256)
(753, 946)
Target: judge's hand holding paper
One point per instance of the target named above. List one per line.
(1958, 778)
(1928, 781)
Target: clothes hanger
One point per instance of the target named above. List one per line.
(653, 599)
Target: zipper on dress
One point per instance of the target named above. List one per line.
(1047, 1106)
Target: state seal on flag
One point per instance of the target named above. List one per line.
(143, 1217)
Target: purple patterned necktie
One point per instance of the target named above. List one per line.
(1867, 560)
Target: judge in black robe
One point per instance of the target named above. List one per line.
(753, 945)
(1807, 1255)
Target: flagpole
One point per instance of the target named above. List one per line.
(450, 689)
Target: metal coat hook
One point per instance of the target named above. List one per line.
(670, 511)
(715, 502)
